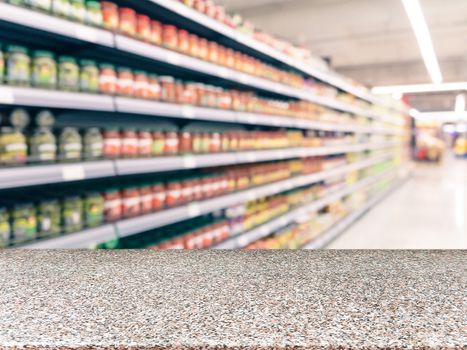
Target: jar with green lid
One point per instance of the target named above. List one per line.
(13, 146)
(68, 74)
(17, 66)
(44, 70)
(77, 10)
(43, 145)
(72, 214)
(2, 64)
(19, 118)
(23, 222)
(48, 218)
(93, 209)
(61, 8)
(70, 145)
(93, 144)
(5, 227)
(89, 76)
(44, 5)
(94, 13)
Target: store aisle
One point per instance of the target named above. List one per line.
(429, 211)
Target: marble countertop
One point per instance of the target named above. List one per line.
(233, 299)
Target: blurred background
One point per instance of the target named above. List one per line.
(265, 124)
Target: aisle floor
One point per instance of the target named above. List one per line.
(428, 212)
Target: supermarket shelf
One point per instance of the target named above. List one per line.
(140, 224)
(276, 224)
(54, 99)
(54, 25)
(54, 173)
(69, 30)
(83, 240)
(325, 238)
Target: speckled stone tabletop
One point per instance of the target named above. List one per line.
(233, 299)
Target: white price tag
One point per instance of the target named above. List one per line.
(189, 161)
(242, 241)
(280, 154)
(279, 89)
(73, 173)
(251, 157)
(194, 210)
(188, 111)
(86, 34)
(251, 118)
(6, 95)
(173, 58)
(276, 121)
(223, 73)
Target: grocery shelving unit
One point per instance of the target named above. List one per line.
(102, 42)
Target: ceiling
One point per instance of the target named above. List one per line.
(370, 40)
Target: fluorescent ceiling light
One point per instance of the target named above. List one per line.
(419, 88)
(460, 103)
(420, 28)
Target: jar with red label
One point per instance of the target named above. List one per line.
(154, 87)
(125, 82)
(156, 33)
(225, 141)
(107, 79)
(213, 52)
(225, 102)
(179, 92)
(143, 27)
(203, 49)
(109, 15)
(183, 41)
(146, 199)
(129, 143)
(131, 202)
(168, 89)
(158, 143)
(112, 205)
(188, 190)
(127, 23)
(200, 94)
(207, 187)
(185, 142)
(174, 192)
(169, 36)
(191, 93)
(158, 196)
(197, 189)
(199, 5)
(193, 49)
(215, 142)
(141, 84)
(222, 52)
(112, 143)
(171, 142)
(145, 143)
(230, 58)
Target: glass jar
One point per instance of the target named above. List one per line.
(156, 33)
(168, 89)
(77, 10)
(187, 191)
(171, 143)
(70, 145)
(146, 197)
(154, 87)
(23, 222)
(112, 205)
(174, 193)
(61, 8)
(179, 92)
(109, 15)
(131, 202)
(158, 143)
(93, 13)
(48, 218)
(185, 142)
(143, 27)
(43, 5)
(107, 79)
(213, 52)
(127, 23)
(44, 70)
(158, 196)
(93, 209)
(89, 76)
(43, 145)
(183, 41)
(129, 143)
(145, 143)
(203, 50)
(72, 214)
(5, 227)
(68, 74)
(169, 36)
(125, 82)
(13, 146)
(141, 84)
(17, 66)
(112, 143)
(93, 144)
(193, 49)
